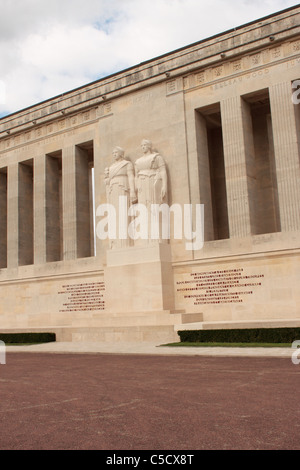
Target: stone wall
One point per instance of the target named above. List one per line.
(221, 114)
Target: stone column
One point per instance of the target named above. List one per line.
(286, 155)
(100, 194)
(3, 218)
(204, 176)
(53, 195)
(39, 215)
(25, 212)
(238, 147)
(12, 216)
(69, 203)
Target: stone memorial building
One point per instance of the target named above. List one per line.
(214, 126)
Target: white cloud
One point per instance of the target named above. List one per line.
(47, 48)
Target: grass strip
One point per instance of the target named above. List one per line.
(22, 344)
(27, 338)
(241, 335)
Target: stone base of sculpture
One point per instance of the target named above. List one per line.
(139, 279)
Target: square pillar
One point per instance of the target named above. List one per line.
(286, 148)
(25, 212)
(39, 215)
(12, 216)
(69, 203)
(238, 148)
(3, 218)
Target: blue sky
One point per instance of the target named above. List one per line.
(47, 48)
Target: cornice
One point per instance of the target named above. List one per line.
(232, 52)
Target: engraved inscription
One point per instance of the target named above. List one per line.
(83, 297)
(219, 287)
(234, 81)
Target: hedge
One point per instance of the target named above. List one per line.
(251, 335)
(27, 337)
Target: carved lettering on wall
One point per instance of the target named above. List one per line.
(258, 60)
(83, 297)
(242, 78)
(219, 287)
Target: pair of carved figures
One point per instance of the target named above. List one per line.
(145, 182)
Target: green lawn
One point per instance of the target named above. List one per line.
(21, 344)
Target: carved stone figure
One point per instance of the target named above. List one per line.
(151, 185)
(119, 180)
(151, 176)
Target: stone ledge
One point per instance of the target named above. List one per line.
(243, 324)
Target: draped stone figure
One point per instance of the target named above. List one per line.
(151, 176)
(119, 180)
(150, 179)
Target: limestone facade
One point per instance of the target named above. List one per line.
(224, 114)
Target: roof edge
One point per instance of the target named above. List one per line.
(218, 35)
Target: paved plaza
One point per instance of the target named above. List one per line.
(143, 401)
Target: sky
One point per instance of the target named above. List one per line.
(51, 47)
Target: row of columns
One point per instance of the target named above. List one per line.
(74, 237)
(235, 128)
(48, 216)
